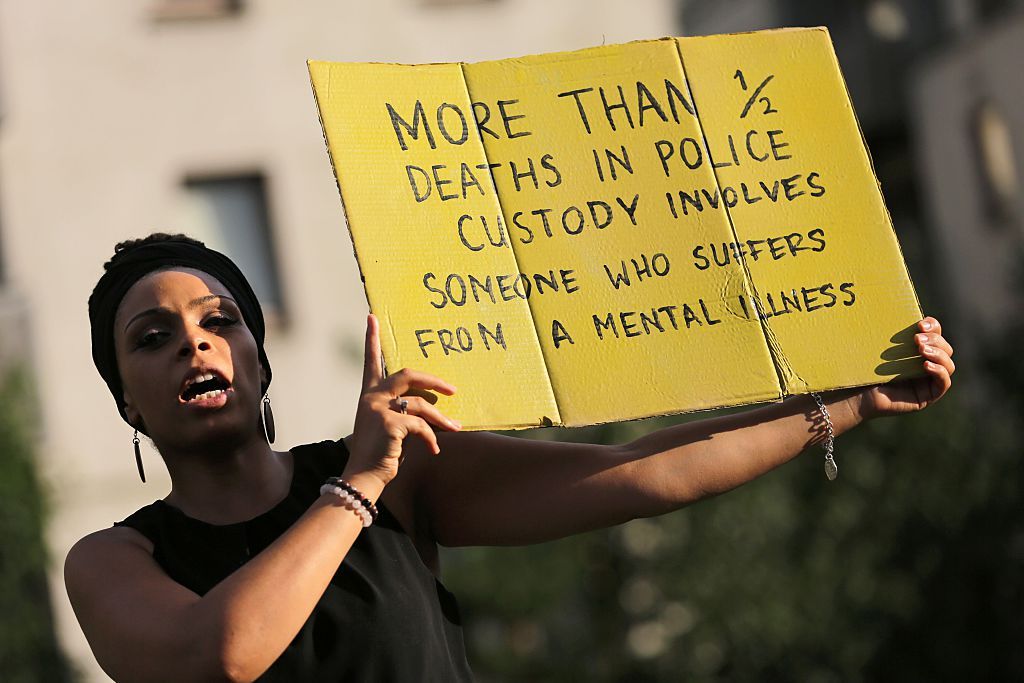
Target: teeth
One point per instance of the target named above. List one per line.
(208, 394)
(201, 378)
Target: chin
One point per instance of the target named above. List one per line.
(215, 434)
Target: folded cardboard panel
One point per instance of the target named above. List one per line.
(639, 315)
(403, 198)
(834, 293)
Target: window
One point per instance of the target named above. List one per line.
(229, 214)
(454, 3)
(994, 158)
(195, 9)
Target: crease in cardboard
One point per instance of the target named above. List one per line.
(544, 419)
(732, 309)
(783, 368)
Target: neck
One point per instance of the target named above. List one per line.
(228, 483)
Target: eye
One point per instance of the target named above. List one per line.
(219, 320)
(150, 338)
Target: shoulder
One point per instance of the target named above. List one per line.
(129, 609)
(103, 547)
(102, 560)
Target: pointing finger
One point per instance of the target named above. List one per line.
(373, 369)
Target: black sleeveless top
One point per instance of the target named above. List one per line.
(383, 617)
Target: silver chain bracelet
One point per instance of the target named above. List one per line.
(831, 470)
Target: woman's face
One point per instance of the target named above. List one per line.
(189, 365)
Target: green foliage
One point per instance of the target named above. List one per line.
(28, 647)
(906, 568)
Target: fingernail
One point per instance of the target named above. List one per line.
(929, 349)
(922, 337)
(455, 423)
(925, 325)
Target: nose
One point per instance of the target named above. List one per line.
(194, 343)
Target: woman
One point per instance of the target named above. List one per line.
(253, 566)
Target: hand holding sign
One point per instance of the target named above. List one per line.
(386, 415)
(897, 398)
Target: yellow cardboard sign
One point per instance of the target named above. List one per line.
(623, 231)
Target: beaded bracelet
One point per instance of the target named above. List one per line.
(364, 501)
(355, 500)
(350, 502)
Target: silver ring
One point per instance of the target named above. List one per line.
(403, 406)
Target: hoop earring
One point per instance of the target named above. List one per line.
(138, 456)
(268, 420)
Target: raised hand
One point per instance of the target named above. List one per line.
(386, 414)
(910, 395)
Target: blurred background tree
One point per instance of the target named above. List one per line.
(28, 646)
(908, 567)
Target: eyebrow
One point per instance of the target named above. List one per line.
(195, 303)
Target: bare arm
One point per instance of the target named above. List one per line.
(487, 489)
(142, 626)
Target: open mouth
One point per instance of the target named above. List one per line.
(205, 386)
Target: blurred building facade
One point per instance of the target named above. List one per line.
(938, 94)
(969, 105)
(121, 118)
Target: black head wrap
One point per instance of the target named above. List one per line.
(135, 259)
